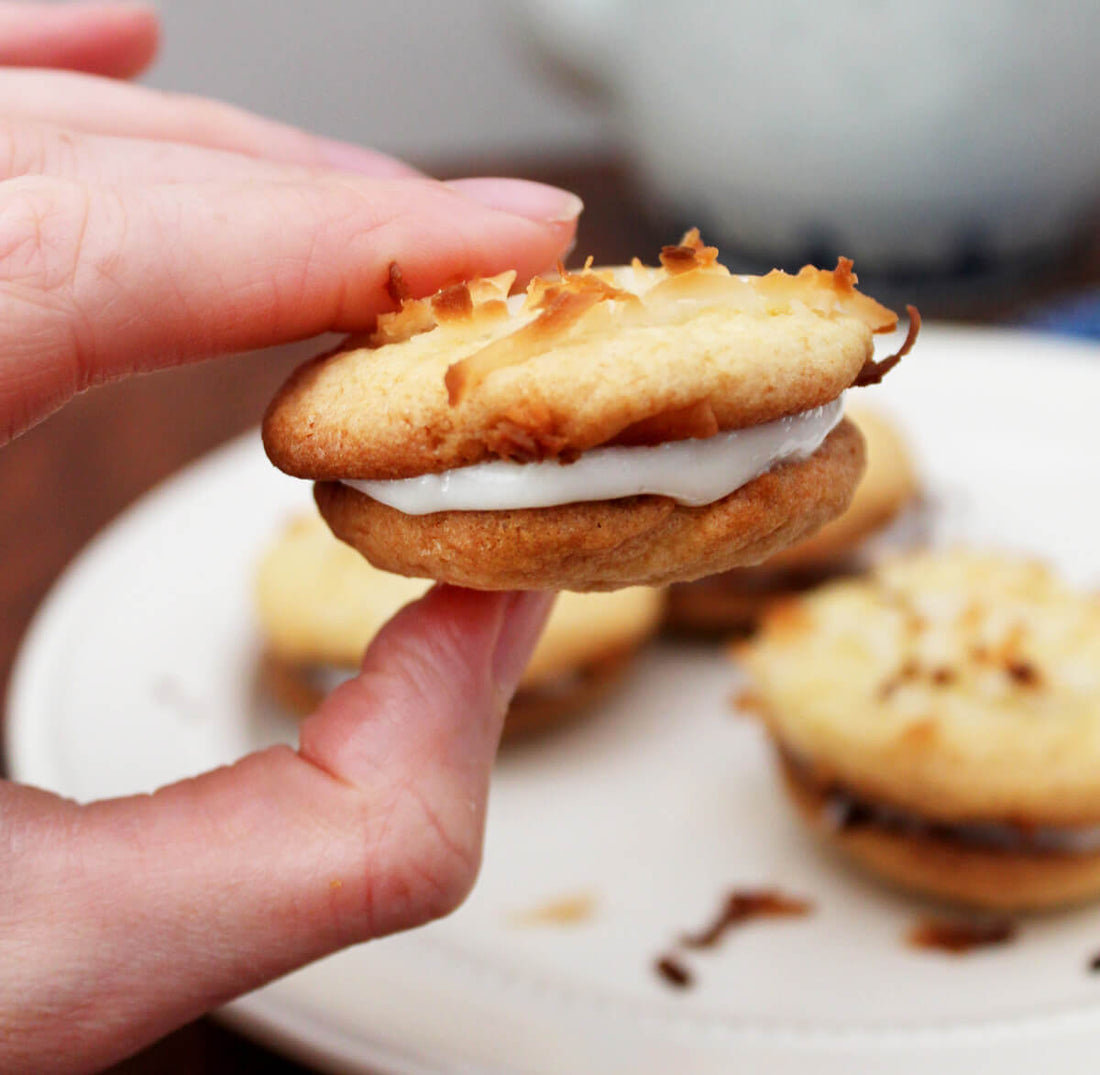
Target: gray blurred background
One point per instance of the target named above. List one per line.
(428, 80)
(933, 142)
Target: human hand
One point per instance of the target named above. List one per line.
(140, 229)
(122, 919)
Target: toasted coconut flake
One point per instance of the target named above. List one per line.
(708, 255)
(596, 301)
(825, 290)
(454, 303)
(560, 312)
(844, 280)
(396, 287)
(414, 317)
(873, 372)
(678, 259)
(561, 305)
(490, 290)
(473, 304)
(688, 254)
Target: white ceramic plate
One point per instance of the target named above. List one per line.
(138, 671)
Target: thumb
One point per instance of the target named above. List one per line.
(237, 876)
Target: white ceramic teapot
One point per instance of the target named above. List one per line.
(907, 135)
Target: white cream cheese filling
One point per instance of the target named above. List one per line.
(691, 472)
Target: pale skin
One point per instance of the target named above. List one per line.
(140, 230)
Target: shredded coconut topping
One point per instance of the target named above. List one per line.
(594, 301)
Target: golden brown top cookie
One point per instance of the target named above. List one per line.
(627, 355)
(961, 686)
(889, 484)
(320, 602)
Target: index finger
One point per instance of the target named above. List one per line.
(100, 281)
(115, 39)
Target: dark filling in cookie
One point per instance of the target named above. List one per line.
(773, 581)
(302, 687)
(843, 810)
(735, 600)
(326, 678)
(739, 597)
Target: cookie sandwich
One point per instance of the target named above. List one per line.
(939, 723)
(885, 513)
(319, 604)
(604, 428)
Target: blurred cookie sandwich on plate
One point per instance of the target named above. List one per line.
(939, 723)
(320, 603)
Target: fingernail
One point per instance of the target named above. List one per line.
(346, 157)
(524, 617)
(521, 197)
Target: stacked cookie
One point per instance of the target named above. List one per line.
(606, 428)
(939, 722)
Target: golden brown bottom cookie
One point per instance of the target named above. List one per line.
(989, 878)
(608, 544)
(534, 709)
